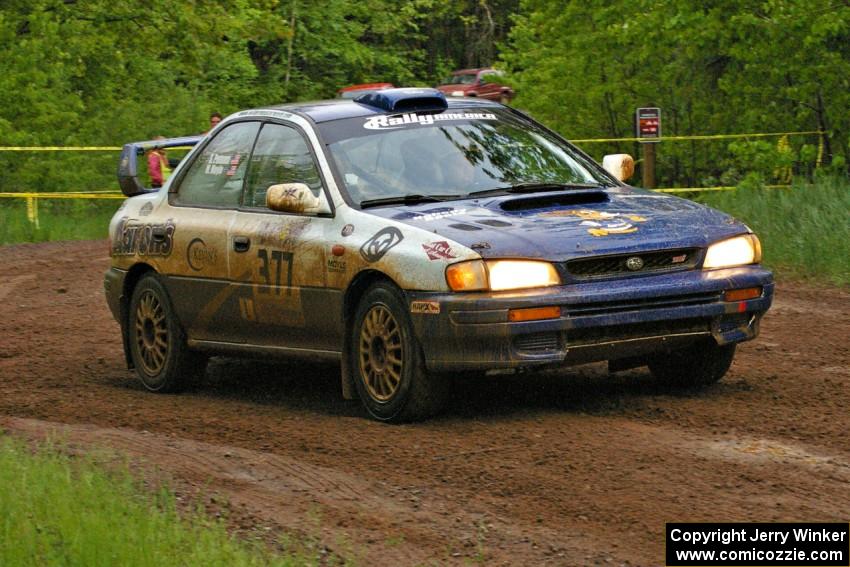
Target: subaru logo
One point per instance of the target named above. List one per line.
(634, 263)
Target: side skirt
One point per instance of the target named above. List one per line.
(222, 347)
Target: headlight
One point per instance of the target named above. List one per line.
(457, 93)
(738, 251)
(500, 275)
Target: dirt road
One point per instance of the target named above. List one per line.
(565, 468)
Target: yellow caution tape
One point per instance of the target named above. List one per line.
(700, 189)
(114, 195)
(585, 141)
(74, 148)
(69, 195)
(60, 148)
(706, 137)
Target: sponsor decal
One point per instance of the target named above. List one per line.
(234, 165)
(218, 164)
(439, 215)
(601, 223)
(412, 119)
(199, 256)
(336, 265)
(347, 230)
(678, 259)
(430, 214)
(425, 307)
(376, 247)
(480, 246)
(439, 250)
(275, 113)
(146, 209)
(132, 237)
(338, 250)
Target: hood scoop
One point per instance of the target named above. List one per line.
(559, 200)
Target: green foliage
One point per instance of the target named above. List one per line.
(713, 67)
(105, 72)
(803, 230)
(55, 510)
(57, 220)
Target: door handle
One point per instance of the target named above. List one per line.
(241, 243)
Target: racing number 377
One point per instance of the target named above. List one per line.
(271, 262)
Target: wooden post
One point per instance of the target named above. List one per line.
(648, 165)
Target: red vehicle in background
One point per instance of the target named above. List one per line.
(355, 91)
(481, 83)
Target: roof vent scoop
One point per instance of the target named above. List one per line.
(405, 100)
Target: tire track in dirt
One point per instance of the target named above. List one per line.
(8, 284)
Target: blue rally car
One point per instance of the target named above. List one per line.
(411, 237)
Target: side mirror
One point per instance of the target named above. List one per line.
(621, 166)
(292, 198)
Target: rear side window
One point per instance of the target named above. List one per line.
(216, 176)
(280, 156)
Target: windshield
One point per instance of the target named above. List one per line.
(465, 79)
(448, 155)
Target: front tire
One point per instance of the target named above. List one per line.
(158, 348)
(701, 364)
(389, 371)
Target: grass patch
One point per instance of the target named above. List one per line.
(59, 510)
(804, 231)
(58, 220)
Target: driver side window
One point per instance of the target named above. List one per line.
(215, 178)
(280, 156)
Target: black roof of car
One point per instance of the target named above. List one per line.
(327, 110)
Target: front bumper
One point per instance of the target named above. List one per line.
(600, 320)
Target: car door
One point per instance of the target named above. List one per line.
(277, 259)
(203, 201)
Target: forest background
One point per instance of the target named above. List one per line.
(98, 72)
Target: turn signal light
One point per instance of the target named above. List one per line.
(742, 294)
(534, 314)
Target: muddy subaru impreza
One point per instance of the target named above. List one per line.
(410, 238)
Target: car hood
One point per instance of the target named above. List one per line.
(567, 225)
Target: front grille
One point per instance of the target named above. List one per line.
(615, 333)
(538, 342)
(608, 307)
(659, 261)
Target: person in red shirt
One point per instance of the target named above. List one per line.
(158, 167)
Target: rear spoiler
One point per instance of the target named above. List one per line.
(128, 172)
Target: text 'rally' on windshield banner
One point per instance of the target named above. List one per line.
(758, 544)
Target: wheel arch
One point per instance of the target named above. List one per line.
(353, 293)
(134, 274)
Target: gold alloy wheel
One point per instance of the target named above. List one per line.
(151, 333)
(381, 357)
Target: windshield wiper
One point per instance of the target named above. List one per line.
(407, 200)
(533, 187)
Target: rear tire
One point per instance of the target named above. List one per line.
(387, 363)
(158, 347)
(698, 365)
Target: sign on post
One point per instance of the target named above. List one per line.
(648, 132)
(648, 124)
